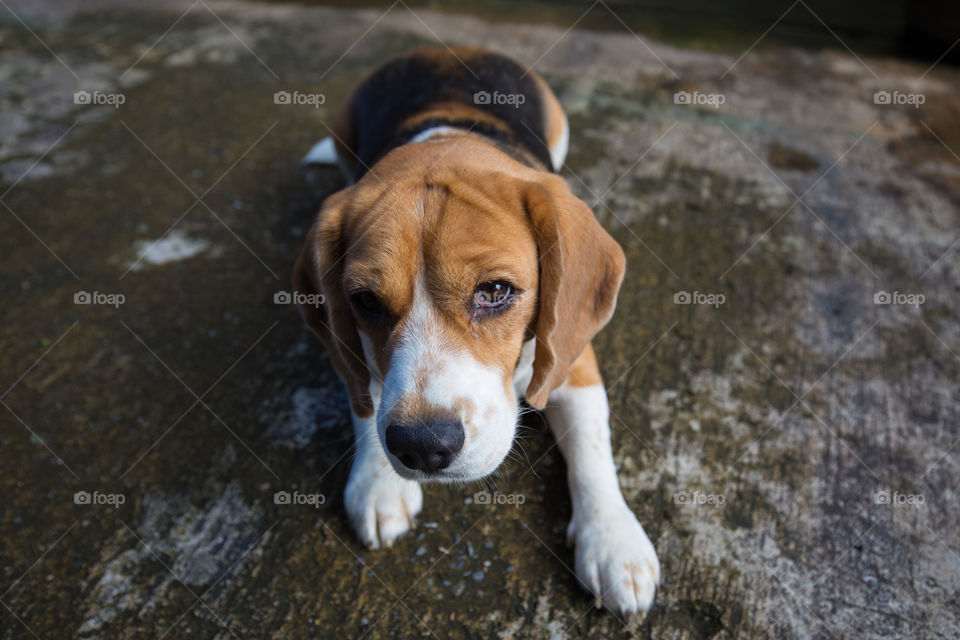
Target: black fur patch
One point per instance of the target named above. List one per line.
(406, 86)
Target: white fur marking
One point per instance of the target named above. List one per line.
(380, 504)
(369, 354)
(524, 370)
(452, 376)
(615, 559)
(440, 132)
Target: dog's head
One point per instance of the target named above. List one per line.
(436, 269)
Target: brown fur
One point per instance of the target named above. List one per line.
(553, 115)
(459, 213)
(585, 372)
(453, 58)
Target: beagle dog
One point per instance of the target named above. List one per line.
(460, 274)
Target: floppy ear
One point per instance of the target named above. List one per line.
(581, 268)
(319, 271)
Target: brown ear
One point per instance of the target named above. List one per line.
(581, 268)
(319, 271)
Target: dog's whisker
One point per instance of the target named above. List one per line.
(526, 459)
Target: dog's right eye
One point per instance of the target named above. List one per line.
(369, 304)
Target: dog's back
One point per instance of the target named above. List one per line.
(431, 90)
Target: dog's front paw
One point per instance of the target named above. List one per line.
(380, 504)
(615, 560)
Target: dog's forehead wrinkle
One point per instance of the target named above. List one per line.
(456, 235)
(421, 329)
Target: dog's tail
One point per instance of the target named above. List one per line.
(323, 152)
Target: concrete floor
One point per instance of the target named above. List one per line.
(758, 439)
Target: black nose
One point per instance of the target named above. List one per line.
(427, 447)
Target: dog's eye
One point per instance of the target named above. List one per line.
(493, 297)
(492, 294)
(368, 304)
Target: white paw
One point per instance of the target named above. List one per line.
(615, 560)
(380, 504)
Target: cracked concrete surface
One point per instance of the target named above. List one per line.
(790, 447)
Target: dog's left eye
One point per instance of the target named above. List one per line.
(493, 297)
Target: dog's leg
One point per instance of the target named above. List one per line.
(381, 505)
(614, 557)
